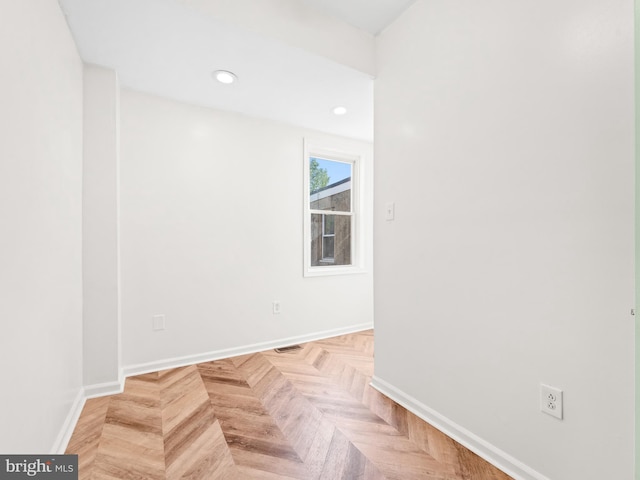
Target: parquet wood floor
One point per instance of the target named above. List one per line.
(306, 414)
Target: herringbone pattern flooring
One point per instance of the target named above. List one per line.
(306, 414)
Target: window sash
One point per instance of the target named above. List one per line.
(326, 255)
(352, 176)
(329, 212)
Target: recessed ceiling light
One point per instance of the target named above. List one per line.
(223, 76)
(339, 111)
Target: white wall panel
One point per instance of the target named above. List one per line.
(505, 136)
(41, 226)
(101, 262)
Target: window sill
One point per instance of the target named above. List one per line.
(329, 270)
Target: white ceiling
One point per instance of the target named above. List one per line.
(165, 48)
(370, 15)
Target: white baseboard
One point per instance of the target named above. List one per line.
(244, 350)
(102, 389)
(479, 446)
(60, 444)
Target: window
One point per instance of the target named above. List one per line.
(331, 211)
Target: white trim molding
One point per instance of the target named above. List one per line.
(102, 389)
(61, 442)
(244, 350)
(482, 448)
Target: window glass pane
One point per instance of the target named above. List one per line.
(330, 185)
(330, 248)
(327, 248)
(329, 224)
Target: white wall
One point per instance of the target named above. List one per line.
(211, 234)
(100, 259)
(40, 242)
(505, 135)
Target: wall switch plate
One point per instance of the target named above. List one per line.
(390, 211)
(158, 322)
(551, 401)
(276, 307)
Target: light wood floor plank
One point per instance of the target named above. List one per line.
(307, 414)
(131, 445)
(87, 434)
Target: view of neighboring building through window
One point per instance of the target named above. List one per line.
(330, 190)
(328, 237)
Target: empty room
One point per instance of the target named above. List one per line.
(318, 239)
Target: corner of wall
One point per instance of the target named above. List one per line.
(62, 440)
(637, 231)
(100, 219)
(473, 442)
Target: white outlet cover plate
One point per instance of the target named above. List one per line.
(551, 400)
(158, 322)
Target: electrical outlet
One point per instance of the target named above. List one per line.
(157, 322)
(551, 401)
(276, 307)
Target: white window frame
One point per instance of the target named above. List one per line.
(335, 153)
